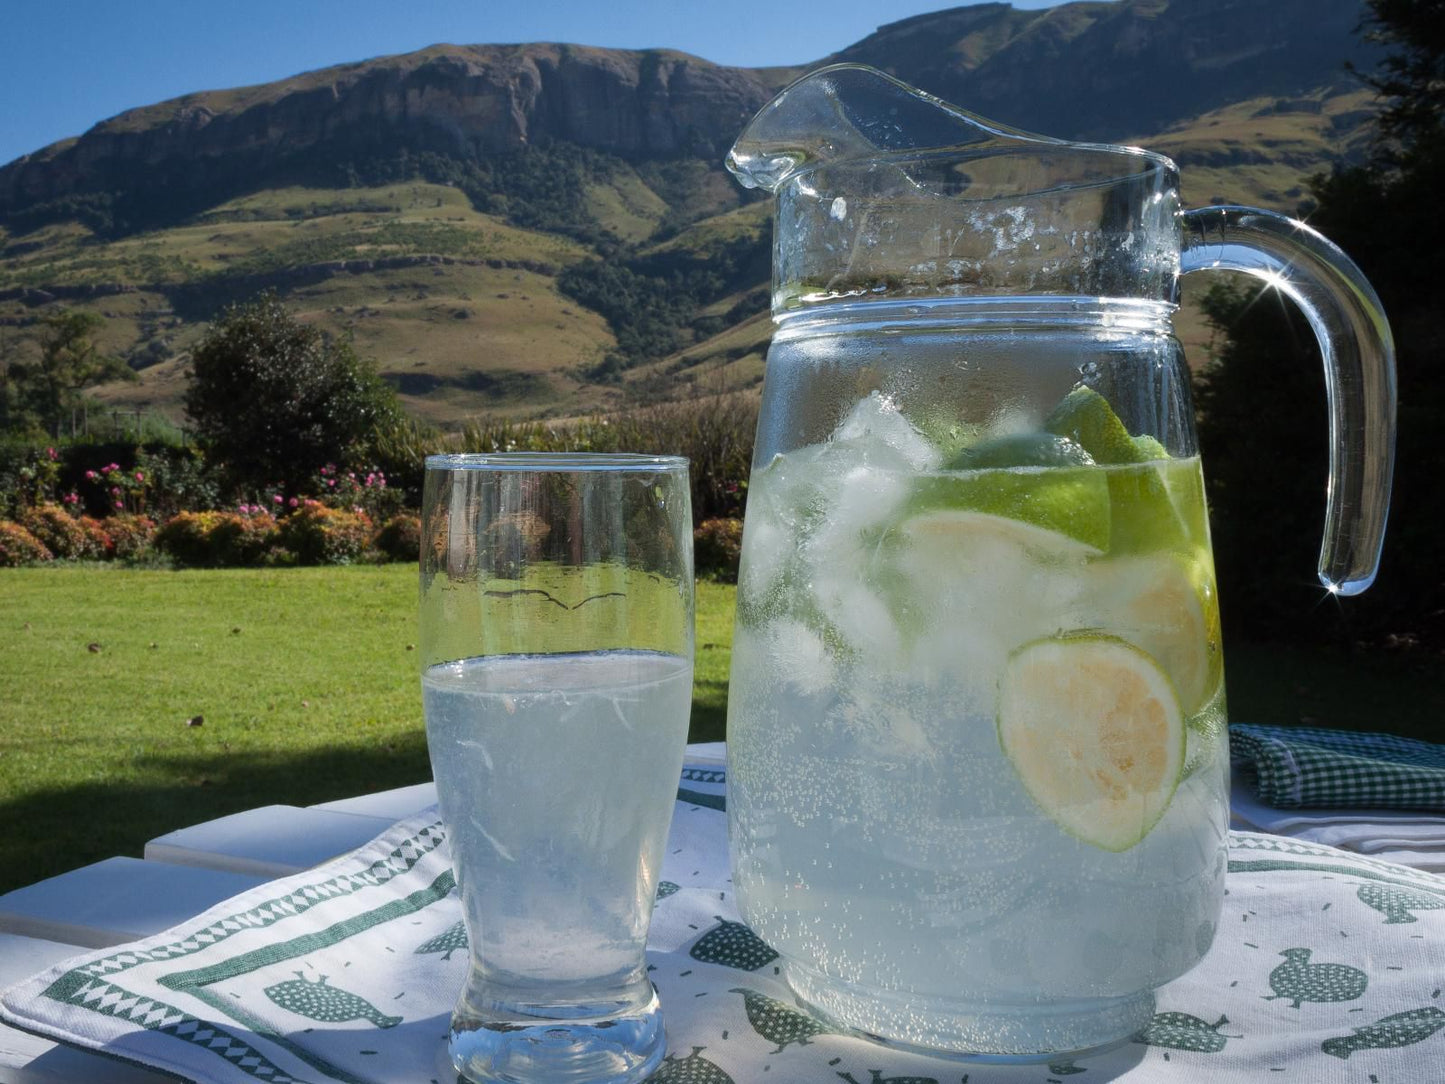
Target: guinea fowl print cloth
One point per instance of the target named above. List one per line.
(1326, 967)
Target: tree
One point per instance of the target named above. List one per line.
(1385, 212)
(44, 393)
(273, 400)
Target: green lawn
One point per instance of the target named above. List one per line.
(304, 681)
(306, 688)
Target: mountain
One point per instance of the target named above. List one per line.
(547, 229)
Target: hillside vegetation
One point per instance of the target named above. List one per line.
(582, 247)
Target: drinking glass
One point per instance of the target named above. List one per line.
(557, 644)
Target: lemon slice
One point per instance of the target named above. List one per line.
(1093, 728)
(1165, 604)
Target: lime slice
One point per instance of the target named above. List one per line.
(948, 531)
(1165, 604)
(1069, 501)
(1093, 728)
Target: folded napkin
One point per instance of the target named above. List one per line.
(1326, 966)
(1308, 767)
(1406, 838)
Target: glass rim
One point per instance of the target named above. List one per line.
(570, 462)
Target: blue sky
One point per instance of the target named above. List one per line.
(67, 64)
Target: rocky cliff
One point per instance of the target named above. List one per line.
(464, 101)
(1101, 70)
(1109, 70)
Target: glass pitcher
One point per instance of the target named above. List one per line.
(976, 729)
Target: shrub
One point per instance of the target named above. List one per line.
(19, 547)
(400, 538)
(28, 475)
(271, 396)
(58, 531)
(186, 536)
(319, 535)
(218, 538)
(130, 535)
(99, 543)
(242, 539)
(717, 544)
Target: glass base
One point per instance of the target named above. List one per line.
(994, 1032)
(522, 1047)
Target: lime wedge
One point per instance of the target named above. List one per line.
(1093, 728)
(1022, 450)
(1142, 515)
(1166, 605)
(1086, 418)
(1069, 501)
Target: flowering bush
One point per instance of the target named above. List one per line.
(121, 490)
(19, 547)
(176, 479)
(28, 476)
(400, 538)
(319, 535)
(358, 491)
(716, 546)
(58, 531)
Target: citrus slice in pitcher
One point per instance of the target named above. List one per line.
(1165, 604)
(1093, 728)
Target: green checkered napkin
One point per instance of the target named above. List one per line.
(1308, 767)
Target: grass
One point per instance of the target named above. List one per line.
(304, 681)
(307, 691)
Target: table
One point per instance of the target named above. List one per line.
(181, 874)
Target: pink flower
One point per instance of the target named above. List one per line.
(120, 504)
(293, 502)
(111, 467)
(51, 453)
(115, 491)
(331, 482)
(371, 479)
(278, 499)
(140, 476)
(91, 476)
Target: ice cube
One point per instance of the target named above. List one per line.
(800, 656)
(860, 617)
(882, 436)
(783, 654)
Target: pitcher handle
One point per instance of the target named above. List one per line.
(1359, 360)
